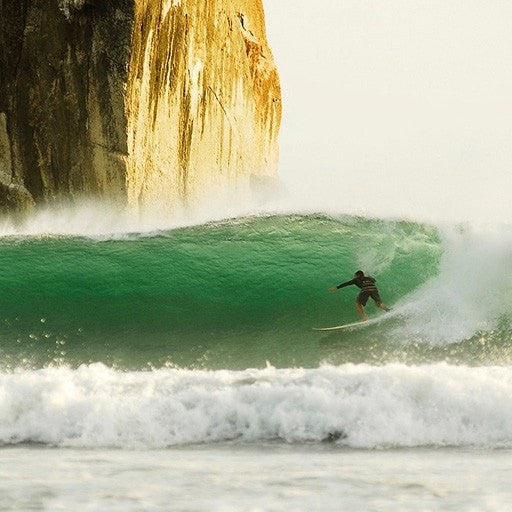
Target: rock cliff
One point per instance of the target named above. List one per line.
(139, 102)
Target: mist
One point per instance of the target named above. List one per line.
(397, 108)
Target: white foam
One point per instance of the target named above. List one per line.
(388, 406)
(471, 292)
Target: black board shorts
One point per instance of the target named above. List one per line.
(364, 295)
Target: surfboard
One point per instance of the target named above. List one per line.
(356, 325)
(339, 327)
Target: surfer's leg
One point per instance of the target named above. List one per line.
(382, 306)
(376, 298)
(360, 310)
(361, 301)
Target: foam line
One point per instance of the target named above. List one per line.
(361, 406)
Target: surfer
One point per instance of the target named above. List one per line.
(368, 289)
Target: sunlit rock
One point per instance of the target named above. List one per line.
(138, 102)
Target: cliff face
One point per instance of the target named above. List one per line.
(137, 101)
(62, 100)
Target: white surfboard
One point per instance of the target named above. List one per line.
(339, 327)
(357, 325)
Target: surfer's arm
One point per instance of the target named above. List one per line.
(342, 285)
(348, 283)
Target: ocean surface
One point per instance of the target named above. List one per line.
(177, 369)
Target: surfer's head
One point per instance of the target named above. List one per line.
(359, 273)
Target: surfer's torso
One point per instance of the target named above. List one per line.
(366, 283)
(368, 289)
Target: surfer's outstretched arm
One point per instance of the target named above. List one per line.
(342, 285)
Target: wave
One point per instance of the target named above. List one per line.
(359, 406)
(227, 294)
(240, 292)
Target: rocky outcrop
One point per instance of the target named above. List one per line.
(138, 102)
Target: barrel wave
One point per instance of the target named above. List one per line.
(237, 294)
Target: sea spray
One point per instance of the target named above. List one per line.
(471, 292)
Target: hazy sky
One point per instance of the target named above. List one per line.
(397, 107)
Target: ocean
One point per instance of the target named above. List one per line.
(178, 369)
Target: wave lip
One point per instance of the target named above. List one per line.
(359, 406)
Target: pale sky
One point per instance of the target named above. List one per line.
(397, 107)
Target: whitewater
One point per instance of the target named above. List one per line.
(358, 406)
(185, 354)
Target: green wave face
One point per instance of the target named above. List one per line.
(232, 294)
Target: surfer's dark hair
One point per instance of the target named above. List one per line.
(360, 273)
